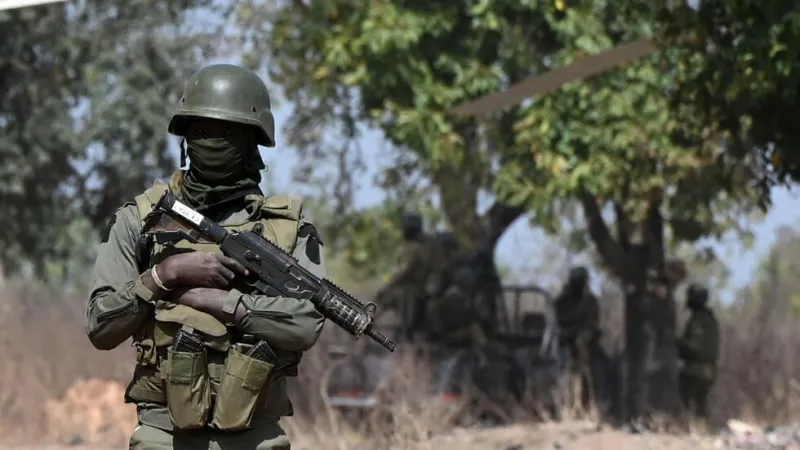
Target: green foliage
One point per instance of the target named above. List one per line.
(88, 89)
(613, 136)
(740, 70)
(400, 66)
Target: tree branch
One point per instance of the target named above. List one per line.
(497, 220)
(607, 247)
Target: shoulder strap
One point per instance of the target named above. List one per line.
(145, 202)
(148, 199)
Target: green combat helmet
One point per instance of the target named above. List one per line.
(230, 93)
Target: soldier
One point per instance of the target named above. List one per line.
(698, 350)
(417, 276)
(578, 315)
(461, 314)
(195, 384)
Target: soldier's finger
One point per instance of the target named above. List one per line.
(227, 273)
(233, 265)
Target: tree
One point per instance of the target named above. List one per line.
(606, 143)
(377, 63)
(88, 89)
(740, 75)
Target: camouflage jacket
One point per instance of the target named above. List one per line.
(698, 348)
(577, 317)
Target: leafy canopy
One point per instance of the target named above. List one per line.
(617, 137)
(401, 65)
(743, 68)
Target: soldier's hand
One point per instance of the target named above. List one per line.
(199, 269)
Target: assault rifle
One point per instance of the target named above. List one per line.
(271, 270)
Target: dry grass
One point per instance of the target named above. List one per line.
(45, 352)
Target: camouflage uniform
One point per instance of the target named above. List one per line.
(462, 313)
(698, 350)
(216, 397)
(578, 315)
(417, 277)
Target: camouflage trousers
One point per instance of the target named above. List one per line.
(269, 436)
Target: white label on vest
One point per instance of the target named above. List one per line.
(187, 213)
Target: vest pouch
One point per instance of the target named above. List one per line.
(187, 383)
(243, 380)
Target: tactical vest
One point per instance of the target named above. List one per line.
(157, 369)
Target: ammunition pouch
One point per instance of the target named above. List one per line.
(205, 376)
(188, 388)
(245, 376)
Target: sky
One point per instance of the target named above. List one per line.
(520, 245)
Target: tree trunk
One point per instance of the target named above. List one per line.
(637, 258)
(636, 336)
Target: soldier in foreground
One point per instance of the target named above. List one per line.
(196, 383)
(698, 350)
(578, 315)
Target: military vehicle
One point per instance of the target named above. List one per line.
(521, 361)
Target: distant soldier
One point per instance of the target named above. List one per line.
(416, 278)
(461, 313)
(578, 315)
(698, 350)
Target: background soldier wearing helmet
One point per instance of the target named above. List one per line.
(462, 313)
(192, 321)
(578, 315)
(417, 276)
(698, 350)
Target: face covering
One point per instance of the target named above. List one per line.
(221, 160)
(220, 168)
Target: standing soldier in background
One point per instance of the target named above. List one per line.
(578, 314)
(698, 350)
(417, 278)
(212, 356)
(462, 313)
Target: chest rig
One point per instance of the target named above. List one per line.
(276, 219)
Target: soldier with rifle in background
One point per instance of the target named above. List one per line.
(578, 315)
(698, 350)
(462, 312)
(416, 279)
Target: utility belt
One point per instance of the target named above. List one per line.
(204, 386)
